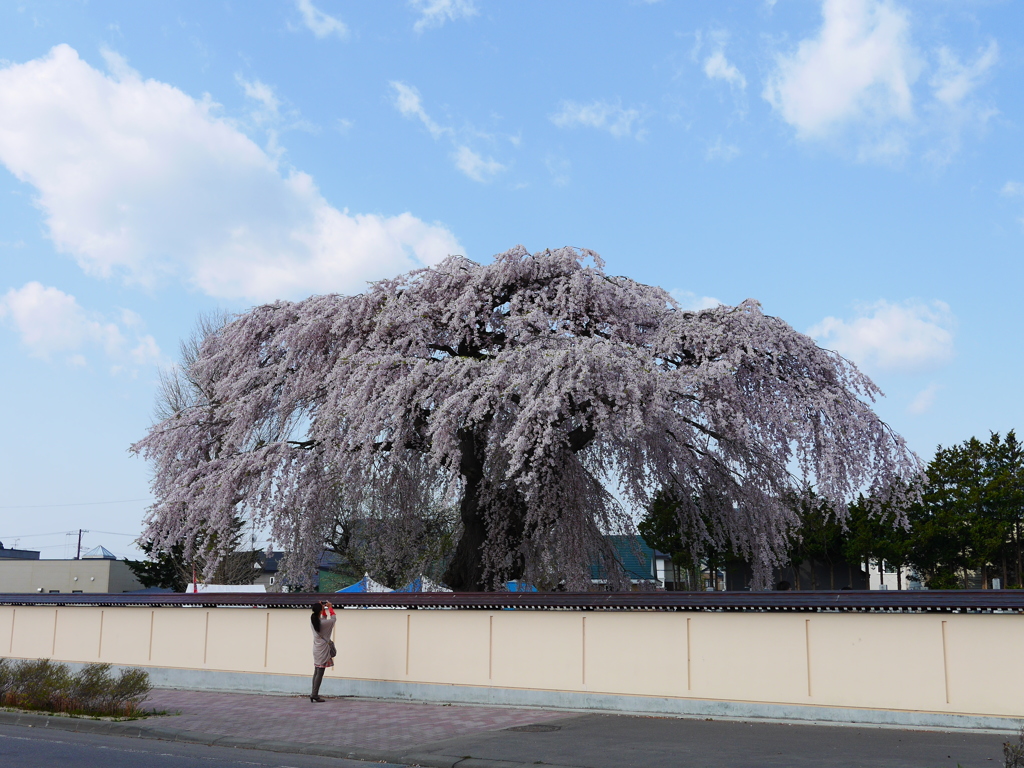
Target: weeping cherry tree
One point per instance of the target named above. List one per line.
(541, 397)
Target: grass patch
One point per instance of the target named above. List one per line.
(47, 686)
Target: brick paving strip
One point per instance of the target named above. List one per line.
(356, 729)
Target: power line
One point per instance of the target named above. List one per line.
(80, 504)
(64, 533)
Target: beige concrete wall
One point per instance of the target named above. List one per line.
(87, 576)
(936, 663)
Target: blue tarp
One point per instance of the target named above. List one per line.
(519, 586)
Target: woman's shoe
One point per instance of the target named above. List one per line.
(316, 699)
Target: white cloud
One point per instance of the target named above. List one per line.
(860, 68)
(691, 301)
(857, 80)
(318, 22)
(912, 336)
(434, 13)
(51, 322)
(140, 180)
(923, 400)
(716, 67)
(598, 114)
(475, 166)
(409, 103)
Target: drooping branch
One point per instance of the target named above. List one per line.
(518, 392)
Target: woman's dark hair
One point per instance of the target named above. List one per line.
(315, 618)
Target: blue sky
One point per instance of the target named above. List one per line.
(854, 165)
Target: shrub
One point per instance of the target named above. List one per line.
(130, 689)
(41, 684)
(49, 686)
(1013, 754)
(6, 675)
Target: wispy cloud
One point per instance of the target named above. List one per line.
(475, 166)
(139, 180)
(955, 85)
(909, 337)
(559, 168)
(53, 323)
(692, 301)
(923, 400)
(954, 81)
(717, 67)
(263, 95)
(720, 149)
(409, 103)
(435, 13)
(318, 22)
(603, 115)
(1013, 189)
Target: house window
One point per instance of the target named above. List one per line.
(54, 591)
(271, 581)
(76, 591)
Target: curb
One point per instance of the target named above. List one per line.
(133, 729)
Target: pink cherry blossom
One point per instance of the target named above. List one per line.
(544, 398)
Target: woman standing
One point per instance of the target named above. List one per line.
(323, 620)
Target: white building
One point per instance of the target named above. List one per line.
(99, 571)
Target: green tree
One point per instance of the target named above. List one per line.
(969, 518)
(1006, 459)
(876, 532)
(819, 539)
(171, 569)
(160, 569)
(686, 532)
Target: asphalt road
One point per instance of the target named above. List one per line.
(35, 748)
(594, 741)
(619, 741)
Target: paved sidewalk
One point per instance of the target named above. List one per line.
(445, 736)
(362, 724)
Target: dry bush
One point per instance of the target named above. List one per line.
(1013, 754)
(49, 686)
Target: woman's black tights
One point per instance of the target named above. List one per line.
(318, 676)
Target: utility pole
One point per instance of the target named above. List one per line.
(78, 554)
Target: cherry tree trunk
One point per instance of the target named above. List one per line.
(467, 570)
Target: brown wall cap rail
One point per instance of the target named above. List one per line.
(916, 601)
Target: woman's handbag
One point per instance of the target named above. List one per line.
(334, 650)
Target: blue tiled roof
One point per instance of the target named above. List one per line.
(632, 552)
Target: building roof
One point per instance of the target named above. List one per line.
(636, 557)
(18, 554)
(99, 553)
